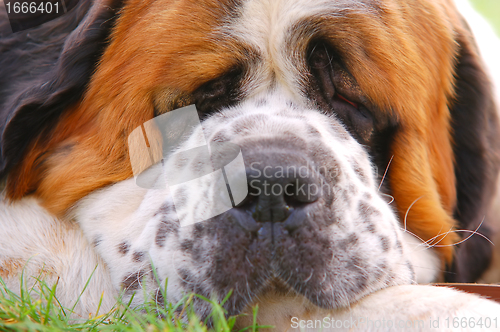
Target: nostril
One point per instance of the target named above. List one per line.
(248, 202)
(245, 220)
(295, 220)
(293, 201)
(301, 192)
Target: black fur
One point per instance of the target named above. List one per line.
(45, 69)
(477, 150)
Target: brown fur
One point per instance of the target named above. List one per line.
(160, 46)
(98, 127)
(10, 267)
(412, 75)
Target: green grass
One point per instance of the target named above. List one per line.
(490, 9)
(37, 309)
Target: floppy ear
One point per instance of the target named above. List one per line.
(45, 70)
(476, 136)
(421, 175)
(446, 163)
(444, 171)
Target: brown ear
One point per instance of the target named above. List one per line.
(445, 169)
(421, 175)
(476, 136)
(422, 179)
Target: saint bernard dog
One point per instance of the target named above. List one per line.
(384, 104)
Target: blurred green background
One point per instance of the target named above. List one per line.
(490, 9)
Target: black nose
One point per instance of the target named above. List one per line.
(279, 191)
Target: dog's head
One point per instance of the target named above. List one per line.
(337, 107)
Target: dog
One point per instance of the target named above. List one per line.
(385, 105)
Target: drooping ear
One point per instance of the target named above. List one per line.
(476, 137)
(422, 180)
(46, 69)
(445, 164)
(421, 175)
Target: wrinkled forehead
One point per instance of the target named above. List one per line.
(385, 45)
(275, 28)
(373, 41)
(280, 33)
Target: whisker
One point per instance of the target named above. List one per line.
(330, 59)
(462, 241)
(408, 211)
(390, 196)
(418, 238)
(442, 235)
(472, 232)
(385, 174)
(312, 51)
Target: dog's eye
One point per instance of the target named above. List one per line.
(339, 96)
(338, 91)
(218, 93)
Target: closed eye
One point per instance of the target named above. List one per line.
(336, 89)
(339, 96)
